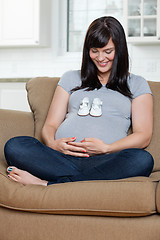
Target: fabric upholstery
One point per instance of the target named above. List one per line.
(158, 197)
(19, 225)
(14, 123)
(40, 93)
(155, 176)
(153, 148)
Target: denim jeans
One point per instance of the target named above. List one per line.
(29, 154)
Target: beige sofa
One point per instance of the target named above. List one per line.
(93, 210)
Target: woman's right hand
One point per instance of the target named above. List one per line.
(63, 145)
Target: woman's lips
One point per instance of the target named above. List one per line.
(103, 64)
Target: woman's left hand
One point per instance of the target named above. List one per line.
(93, 146)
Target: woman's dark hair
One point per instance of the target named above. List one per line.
(98, 35)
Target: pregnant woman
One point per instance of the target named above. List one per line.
(85, 132)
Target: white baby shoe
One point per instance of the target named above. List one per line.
(96, 109)
(84, 107)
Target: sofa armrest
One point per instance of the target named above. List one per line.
(14, 123)
(158, 197)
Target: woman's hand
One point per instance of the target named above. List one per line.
(64, 145)
(93, 146)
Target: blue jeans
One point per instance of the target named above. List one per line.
(29, 154)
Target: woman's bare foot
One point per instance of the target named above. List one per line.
(24, 177)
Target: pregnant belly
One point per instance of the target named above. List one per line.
(92, 127)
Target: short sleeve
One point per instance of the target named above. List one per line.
(138, 85)
(70, 80)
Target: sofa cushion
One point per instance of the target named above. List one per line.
(14, 123)
(40, 93)
(158, 197)
(128, 197)
(153, 148)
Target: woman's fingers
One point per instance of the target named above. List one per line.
(76, 151)
(77, 154)
(70, 139)
(70, 147)
(76, 148)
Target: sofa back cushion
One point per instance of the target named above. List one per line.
(154, 147)
(40, 93)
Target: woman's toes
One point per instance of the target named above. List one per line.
(12, 177)
(9, 169)
(12, 169)
(13, 173)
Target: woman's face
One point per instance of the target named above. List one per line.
(103, 57)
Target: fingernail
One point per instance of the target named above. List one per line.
(82, 141)
(87, 156)
(9, 169)
(84, 151)
(73, 137)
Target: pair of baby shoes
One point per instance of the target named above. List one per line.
(95, 110)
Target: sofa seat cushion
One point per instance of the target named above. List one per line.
(128, 197)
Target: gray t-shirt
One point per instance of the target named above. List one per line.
(115, 120)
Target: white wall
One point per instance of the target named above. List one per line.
(13, 96)
(145, 61)
(33, 62)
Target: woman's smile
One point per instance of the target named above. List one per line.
(102, 64)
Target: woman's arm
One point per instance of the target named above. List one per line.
(56, 115)
(142, 124)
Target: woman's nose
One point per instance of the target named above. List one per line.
(101, 56)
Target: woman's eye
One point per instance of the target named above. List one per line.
(108, 52)
(94, 50)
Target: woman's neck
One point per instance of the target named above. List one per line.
(103, 78)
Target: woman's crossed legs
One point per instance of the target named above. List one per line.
(31, 162)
